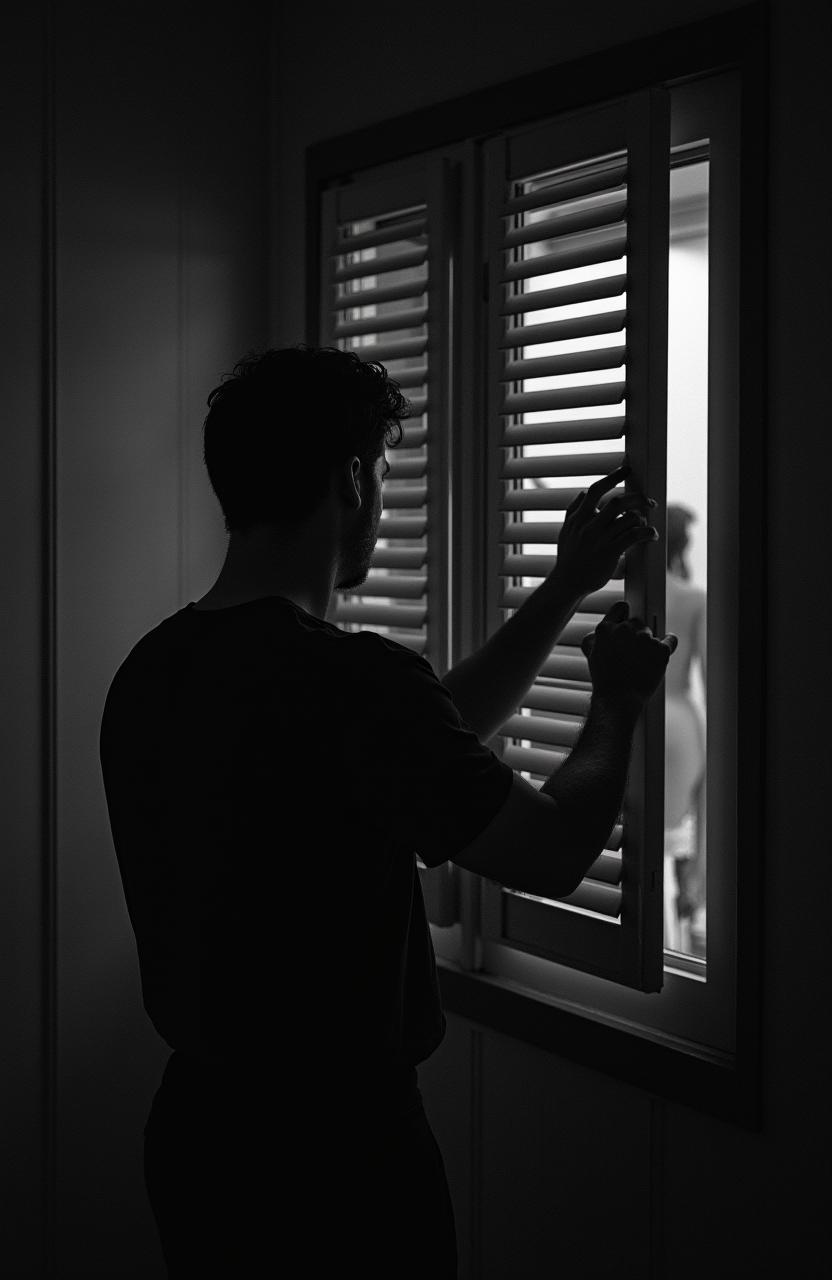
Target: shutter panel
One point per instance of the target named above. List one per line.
(577, 217)
(383, 246)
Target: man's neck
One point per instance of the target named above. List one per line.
(226, 596)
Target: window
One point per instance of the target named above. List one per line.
(555, 292)
(521, 937)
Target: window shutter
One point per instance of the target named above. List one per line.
(383, 296)
(577, 225)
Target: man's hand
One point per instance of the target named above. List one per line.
(592, 541)
(625, 660)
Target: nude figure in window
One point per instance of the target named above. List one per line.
(684, 742)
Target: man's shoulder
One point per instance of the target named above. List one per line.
(146, 656)
(391, 658)
(385, 646)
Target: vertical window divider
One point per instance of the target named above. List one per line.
(647, 311)
(495, 157)
(441, 202)
(440, 185)
(467, 416)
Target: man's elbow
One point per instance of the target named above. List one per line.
(575, 865)
(561, 876)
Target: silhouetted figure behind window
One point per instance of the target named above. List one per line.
(684, 739)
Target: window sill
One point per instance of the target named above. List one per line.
(724, 1086)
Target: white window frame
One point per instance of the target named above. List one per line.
(688, 1008)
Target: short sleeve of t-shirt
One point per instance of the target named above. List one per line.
(438, 786)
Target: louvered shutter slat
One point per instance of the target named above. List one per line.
(563, 398)
(580, 626)
(382, 615)
(517, 566)
(529, 760)
(379, 266)
(552, 698)
(603, 899)
(522, 335)
(583, 250)
(564, 295)
(418, 404)
(522, 531)
(399, 350)
(415, 640)
(402, 526)
(606, 178)
(406, 468)
(585, 219)
(405, 377)
(395, 586)
(407, 229)
(571, 362)
(566, 664)
(569, 431)
(606, 868)
(569, 464)
(405, 318)
(397, 499)
(538, 499)
(399, 557)
(557, 733)
(614, 839)
(414, 437)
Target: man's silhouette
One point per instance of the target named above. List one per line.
(270, 779)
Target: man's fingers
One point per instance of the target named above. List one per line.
(633, 534)
(626, 523)
(618, 612)
(671, 641)
(623, 502)
(596, 491)
(587, 644)
(576, 502)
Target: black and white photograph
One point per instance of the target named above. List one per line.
(416, 711)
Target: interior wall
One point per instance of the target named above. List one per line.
(135, 261)
(556, 1169)
(21, 938)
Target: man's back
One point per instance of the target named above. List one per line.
(269, 778)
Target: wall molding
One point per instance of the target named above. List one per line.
(49, 649)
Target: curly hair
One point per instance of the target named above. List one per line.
(283, 419)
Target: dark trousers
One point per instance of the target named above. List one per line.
(238, 1189)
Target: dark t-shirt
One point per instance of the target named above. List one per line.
(270, 779)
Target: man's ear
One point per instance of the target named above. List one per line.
(351, 483)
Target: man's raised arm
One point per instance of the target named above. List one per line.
(544, 842)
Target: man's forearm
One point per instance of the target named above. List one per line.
(589, 785)
(489, 685)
